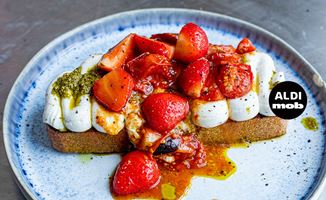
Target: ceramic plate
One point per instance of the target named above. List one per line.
(291, 167)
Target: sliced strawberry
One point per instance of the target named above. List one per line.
(194, 76)
(192, 43)
(225, 58)
(114, 89)
(235, 80)
(137, 172)
(210, 91)
(163, 111)
(170, 38)
(151, 71)
(213, 48)
(154, 47)
(118, 55)
(245, 46)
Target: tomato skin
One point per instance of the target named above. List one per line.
(225, 58)
(245, 46)
(235, 80)
(152, 71)
(137, 172)
(114, 89)
(194, 76)
(192, 43)
(163, 111)
(213, 48)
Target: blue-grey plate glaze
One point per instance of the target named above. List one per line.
(291, 167)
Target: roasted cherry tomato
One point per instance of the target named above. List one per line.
(225, 58)
(151, 71)
(213, 48)
(235, 80)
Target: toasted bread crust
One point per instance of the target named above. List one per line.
(92, 141)
(256, 129)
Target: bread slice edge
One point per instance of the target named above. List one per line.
(92, 141)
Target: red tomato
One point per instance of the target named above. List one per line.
(235, 80)
(245, 46)
(225, 58)
(114, 89)
(137, 172)
(163, 111)
(151, 71)
(220, 49)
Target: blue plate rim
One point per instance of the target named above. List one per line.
(321, 183)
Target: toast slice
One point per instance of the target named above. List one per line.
(92, 141)
(231, 132)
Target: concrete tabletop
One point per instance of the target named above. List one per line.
(26, 26)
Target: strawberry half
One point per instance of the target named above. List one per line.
(154, 47)
(164, 111)
(114, 89)
(137, 172)
(194, 76)
(192, 43)
(118, 55)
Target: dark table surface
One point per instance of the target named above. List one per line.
(26, 26)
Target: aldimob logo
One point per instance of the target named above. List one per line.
(288, 100)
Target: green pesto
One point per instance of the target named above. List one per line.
(75, 83)
(86, 82)
(310, 123)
